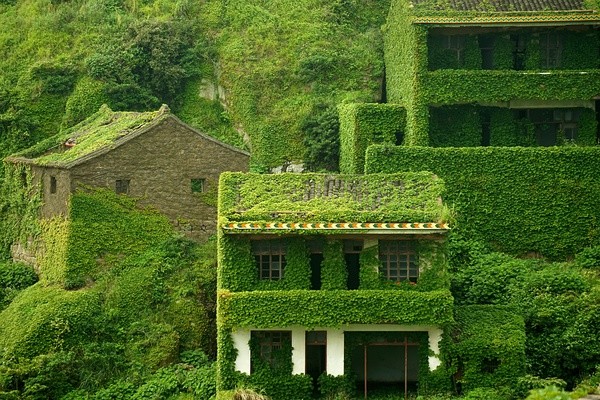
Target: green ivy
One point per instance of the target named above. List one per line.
(518, 200)
(364, 124)
(333, 308)
(331, 198)
(334, 274)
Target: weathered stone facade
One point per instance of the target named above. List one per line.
(160, 166)
(163, 162)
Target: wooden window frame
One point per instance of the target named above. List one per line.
(270, 258)
(270, 342)
(399, 260)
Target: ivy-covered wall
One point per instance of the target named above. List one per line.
(405, 47)
(575, 49)
(238, 271)
(470, 125)
(518, 200)
(488, 348)
(362, 124)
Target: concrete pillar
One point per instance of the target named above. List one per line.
(335, 352)
(298, 351)
(435, 336)
(241, 341)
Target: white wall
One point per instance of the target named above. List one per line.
(335, 345)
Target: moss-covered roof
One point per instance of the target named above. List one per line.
(309, 200)
(99, 133)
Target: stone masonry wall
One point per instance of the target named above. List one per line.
(160, 165)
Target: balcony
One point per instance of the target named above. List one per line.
(263, 310)
(488, 86)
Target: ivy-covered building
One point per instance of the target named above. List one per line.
(494, 73)
(331, 281)
(152, 156)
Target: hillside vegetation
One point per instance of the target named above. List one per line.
(261, 74)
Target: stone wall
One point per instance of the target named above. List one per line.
(160, 165)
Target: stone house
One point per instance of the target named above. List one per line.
(152, 156)
(331, 278)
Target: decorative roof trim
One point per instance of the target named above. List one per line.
(506, 19)
(371, 227)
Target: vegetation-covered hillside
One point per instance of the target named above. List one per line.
(261, 74)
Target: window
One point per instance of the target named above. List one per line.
(122, 186)
(518, 51)
(486, 45)
(456, 45)
(52, 184)
(270, 259)
(550, 50)
(198, 185)
(398, 260)
(269, 345)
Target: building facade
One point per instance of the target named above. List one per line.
(331, 281)
(152, 156)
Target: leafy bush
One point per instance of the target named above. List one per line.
(589, 258)
(321, 139)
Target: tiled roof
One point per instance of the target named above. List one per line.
(503, 5)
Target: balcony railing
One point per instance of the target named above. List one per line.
(463, 86)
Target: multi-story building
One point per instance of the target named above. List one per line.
(498, 72)
(331, 281)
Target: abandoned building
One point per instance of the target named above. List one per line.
(495, 73)
(152, 156)
(331, 277)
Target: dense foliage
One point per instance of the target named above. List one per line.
(519, 200)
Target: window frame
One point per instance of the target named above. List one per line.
(198, 185)
(53, 184)
(270, 259)
(399, 260)
(268, 343)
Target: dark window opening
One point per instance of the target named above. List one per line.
(597, 106)
(52, 184)
(486, 46)
(489, 365)
(198, 185)
(269, 256)
(269, 345)
(316, 260)
(399, 260)
(352, 250)
(399, 135)
(316, 355)
(519, 50)
(122, 186)
(455, 44)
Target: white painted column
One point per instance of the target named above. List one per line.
(335, 352)
(241, 341)
(298, 351)
(435, 336)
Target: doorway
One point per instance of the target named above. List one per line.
(316, 355)
(387, 367)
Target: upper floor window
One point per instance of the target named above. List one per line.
(550, 50)
(122, 186)
(270, 259)
(399, 261)
(456, 45)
